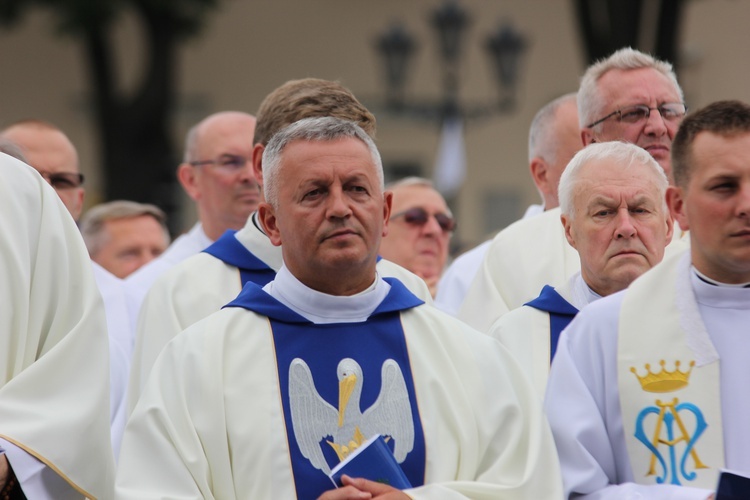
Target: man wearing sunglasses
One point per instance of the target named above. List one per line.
(420, 230)
(46, 148)
(629, 96)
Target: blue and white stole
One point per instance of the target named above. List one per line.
(669, 381)
(342, 383)
(560, 311)
(230, 251)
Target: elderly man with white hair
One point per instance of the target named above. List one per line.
(614, 212)
(629, 96)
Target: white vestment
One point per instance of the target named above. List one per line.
(455, 282)
(525, 331)
(201, 285)
(583, 401)
(139, 283)
(54, 368)
(210, 423)
(523, 258)
(120, 350)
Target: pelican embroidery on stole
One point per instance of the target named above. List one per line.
(668, 414)
(314, 419)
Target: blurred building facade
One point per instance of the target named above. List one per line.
(249, 48)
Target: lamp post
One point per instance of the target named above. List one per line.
(396, 46)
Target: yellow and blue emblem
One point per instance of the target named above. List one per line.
(677, 426)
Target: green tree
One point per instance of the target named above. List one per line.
(135, 127)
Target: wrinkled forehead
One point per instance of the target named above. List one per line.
(421, 196)
(609, 176)
(625, 87)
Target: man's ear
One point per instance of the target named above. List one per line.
(267, 218)
(676, 204)
(387, 204)
(258, 162)
(186, 174)
(539, 168)
(587, 137)
(568, 225)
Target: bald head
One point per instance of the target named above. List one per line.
(217, 171)
(49, 151)
(554, 138)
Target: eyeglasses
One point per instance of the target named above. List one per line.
(669, 111)
(418, 217)
(63, 180)
(227, 163)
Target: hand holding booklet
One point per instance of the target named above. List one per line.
(373, 460)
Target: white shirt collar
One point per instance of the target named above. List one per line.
(321, 308)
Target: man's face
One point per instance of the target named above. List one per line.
(224, 187)
(331, 214)
(619, 228)
(50, 153)
(419, 244)
(129, 243)
(715, 206)
(622, 88)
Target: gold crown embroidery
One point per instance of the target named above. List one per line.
(665, 380)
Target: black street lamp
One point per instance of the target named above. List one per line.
(396, 46)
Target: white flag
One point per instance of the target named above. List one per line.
(450, 166)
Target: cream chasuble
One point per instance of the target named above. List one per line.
(54, 358)
(669, 381)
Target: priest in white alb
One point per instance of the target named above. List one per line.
(205, 282)
(647, 393)
(263, 398)
(629, 96)
(616, 217)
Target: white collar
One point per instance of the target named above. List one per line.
(581, 293)
(321, 308)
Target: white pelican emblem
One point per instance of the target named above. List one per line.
(314, 419)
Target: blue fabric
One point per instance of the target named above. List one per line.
(322, 347)
(561, 313)
(230, 251)
(253, 298)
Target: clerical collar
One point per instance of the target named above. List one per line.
(712, 281)
(321, 308)
(581, 292)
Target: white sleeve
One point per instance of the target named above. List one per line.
(583, 408)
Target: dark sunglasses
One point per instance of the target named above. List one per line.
(419, 217)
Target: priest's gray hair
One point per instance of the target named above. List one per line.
(94, 220)
(318, 129)
(543, 133)
(591, 104)
(623, 153)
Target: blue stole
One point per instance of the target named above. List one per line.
(322, 348)
(230, 251)
(561, 313)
